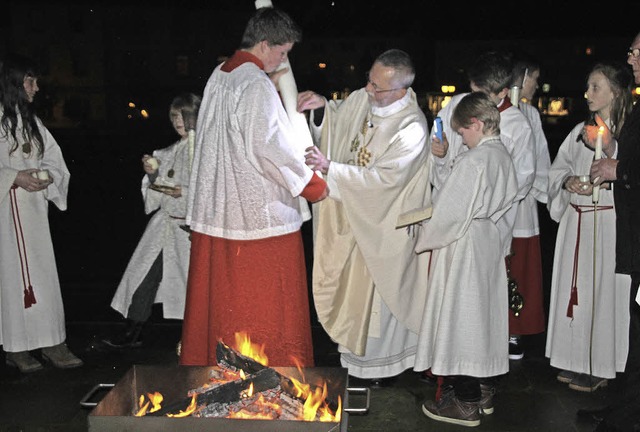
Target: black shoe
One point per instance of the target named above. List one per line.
(515, 348)
(130, 338)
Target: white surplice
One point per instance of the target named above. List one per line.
(571, 340)
(517, 137)
(465, 323)
(368, 284)
(163, 233)
(42, 324)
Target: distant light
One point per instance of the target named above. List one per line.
(588, 51)
(448, 89)
(129, 116)
(546, 87)
(636, 90)
(322, 65)
(352, 68)
(144, 113)
(132, 105)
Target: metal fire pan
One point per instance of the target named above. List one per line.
(115, 412)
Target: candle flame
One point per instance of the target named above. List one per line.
(601, 130)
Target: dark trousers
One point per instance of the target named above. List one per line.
(625, 406)
(143, 298)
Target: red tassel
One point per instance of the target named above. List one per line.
(32, 295)
(573, 301)
(27, 299)
(439, 389)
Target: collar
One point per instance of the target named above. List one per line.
(239, 58)
(393, 108)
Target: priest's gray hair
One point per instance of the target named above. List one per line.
(271, 25)
(477, 105)
(401, 63)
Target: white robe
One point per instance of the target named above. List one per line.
(465, 324)
(42, 324)
(368, 284)
(569, 340)
(163, 233)
(517, 137)
(527, 222)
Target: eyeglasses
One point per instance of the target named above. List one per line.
(633, 53)
(375, 86)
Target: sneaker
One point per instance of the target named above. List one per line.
(23, 361)
(487, 392)
(515, 348)
(452, 410)
(587, 383)
(60, 356)
(130, 338)
(566, 376)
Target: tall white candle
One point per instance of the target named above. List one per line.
(595, 197)
(191, 137)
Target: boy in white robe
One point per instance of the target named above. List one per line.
(465, 322)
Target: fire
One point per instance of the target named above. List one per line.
(155, 399)
(315, 408)
(189, 410)
(248, 349)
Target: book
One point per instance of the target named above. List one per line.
(413, 216)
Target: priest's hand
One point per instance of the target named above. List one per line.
(309, 100)
(26, 180)
(316, 160)
(149, 164)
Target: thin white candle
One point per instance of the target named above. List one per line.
(595, 197)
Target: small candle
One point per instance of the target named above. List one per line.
(514, 95)
(192, 139)
(599, 143)
(153, 162)
(43, 175)
(595, 196)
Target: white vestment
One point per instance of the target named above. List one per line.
(42, 324)
(369, 285)
(527, 222)
(163, 233)
(517, 137)
(465, 325)
(571, 340)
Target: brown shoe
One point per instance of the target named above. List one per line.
(452, 410)
(587, 383)
(23, 361)
(60, 356)
(487, 393)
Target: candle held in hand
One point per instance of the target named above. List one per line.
(595, 196)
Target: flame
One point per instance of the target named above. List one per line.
(189, 410)
(248, 349)
(155, 399)
(315, 408)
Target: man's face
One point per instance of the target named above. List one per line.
(382, 89)
(634, 60)
(274, 55)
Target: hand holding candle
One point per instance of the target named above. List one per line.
(598, 155)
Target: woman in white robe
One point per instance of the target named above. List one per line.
(588, 322)
(465, 322)
(32, 174)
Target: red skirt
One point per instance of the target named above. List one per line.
(258, 287)
(526, 270)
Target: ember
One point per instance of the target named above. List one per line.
(242, 386)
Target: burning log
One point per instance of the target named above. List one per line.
(262, 380)
(231, 359)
